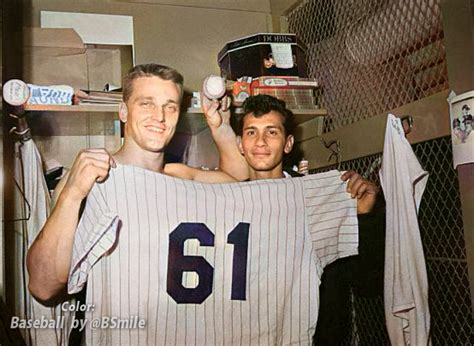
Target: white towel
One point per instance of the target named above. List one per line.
(405, 281)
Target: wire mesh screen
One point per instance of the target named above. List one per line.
(442, 234)
(371, 56)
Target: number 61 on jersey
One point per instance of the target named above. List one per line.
(178, 263)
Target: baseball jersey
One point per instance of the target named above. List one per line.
(205, 264)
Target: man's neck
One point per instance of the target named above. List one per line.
(135, 156)
(276, 173)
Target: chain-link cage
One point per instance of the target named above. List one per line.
(371, 56)
(441, 229)
(442, 234)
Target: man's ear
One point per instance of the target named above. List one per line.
(123, 112)
(239, 144)
(290, 140)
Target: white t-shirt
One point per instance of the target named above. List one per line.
(204, 264)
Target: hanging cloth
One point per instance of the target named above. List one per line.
(405, 280)
(32, 205)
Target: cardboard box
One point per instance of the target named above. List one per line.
(104, 67)
(263, 55)
(54, 56)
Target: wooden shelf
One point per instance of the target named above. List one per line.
(304, 115)
(191, 121)
(73, 108)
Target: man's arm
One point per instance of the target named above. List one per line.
(365, 191)
(182, 171)
(49, 258)
(217, 115)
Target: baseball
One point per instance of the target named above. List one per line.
(15, 92)
(214, 87)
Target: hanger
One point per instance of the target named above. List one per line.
(22, 130)
(335, 147)
(408, 119)
(16, 94)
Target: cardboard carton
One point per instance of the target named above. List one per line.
(104, 67)
(54, 56)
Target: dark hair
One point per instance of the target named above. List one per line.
(260, 105)
(150, 70)
(466, 107)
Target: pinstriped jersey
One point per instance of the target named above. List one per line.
(203, 264)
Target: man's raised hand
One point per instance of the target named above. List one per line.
(364, 190)
(89, 167)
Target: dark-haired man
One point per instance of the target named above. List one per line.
(265, 130)
(265, 136)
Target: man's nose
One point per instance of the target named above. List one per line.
(261, 140)
(159, 114)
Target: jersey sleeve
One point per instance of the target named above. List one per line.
(331, 217)
(96, 233)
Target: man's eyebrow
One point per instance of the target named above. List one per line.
(144, 98)
(250, 128)
(150, 98)
(275, 127)
(171, 101)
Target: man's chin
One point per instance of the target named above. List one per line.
(261, 167)
(156, 148)
(159, 145)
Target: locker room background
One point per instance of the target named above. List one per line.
(372, 56)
